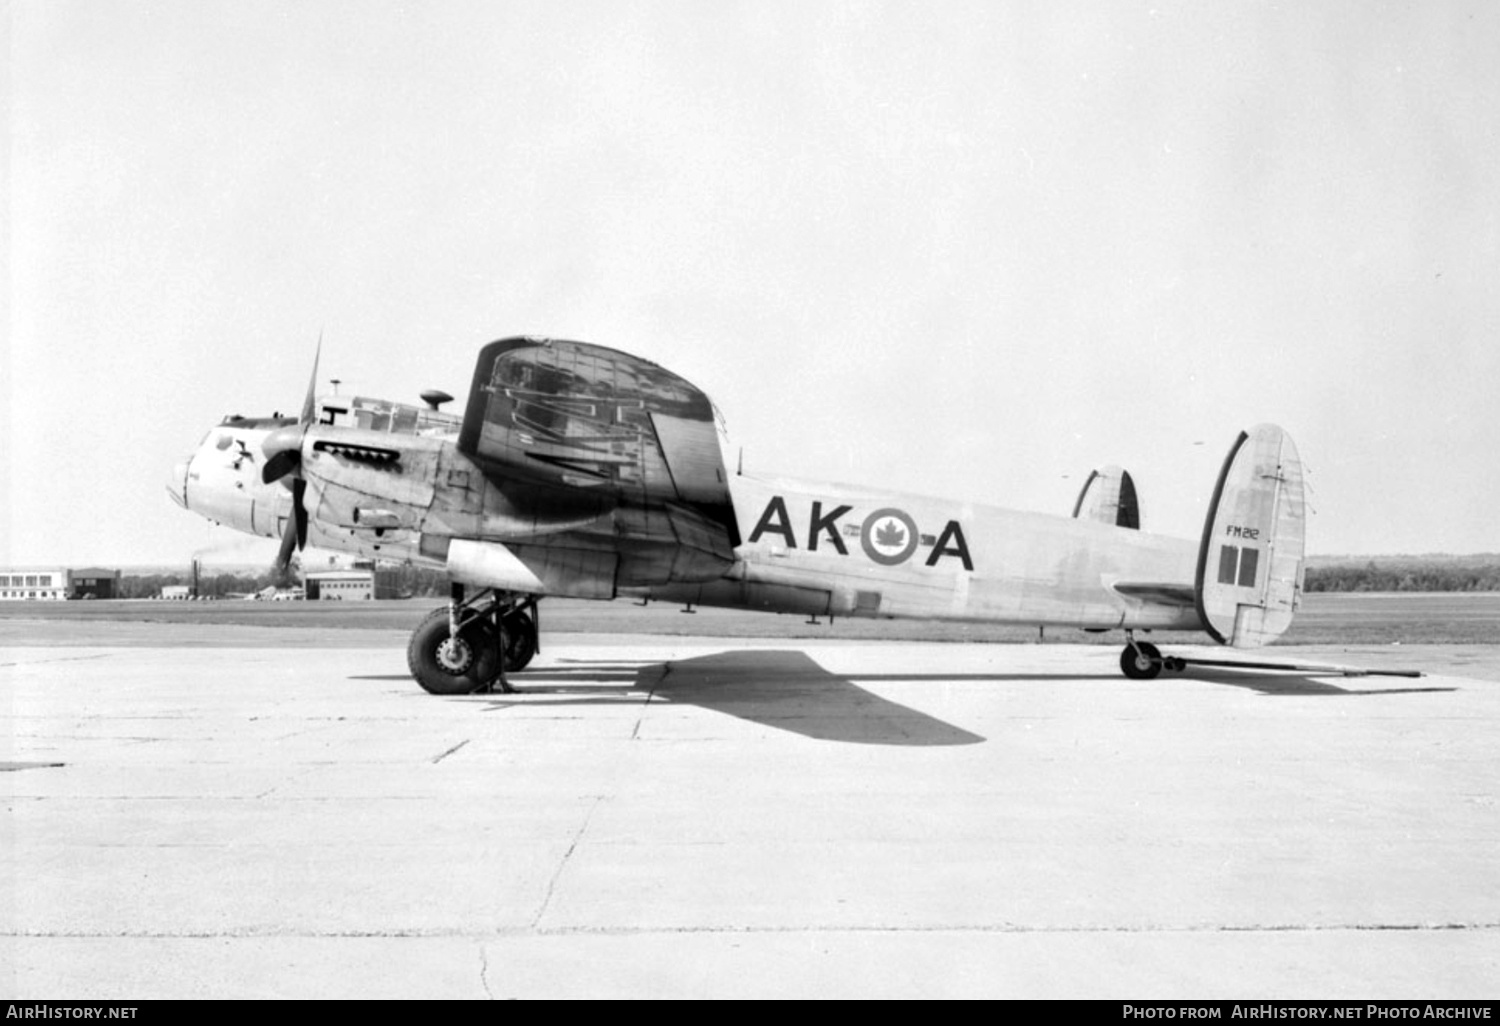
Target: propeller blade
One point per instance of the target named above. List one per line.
(283, 452)
(283, 447)
(310, 403)
(279, 465)
(294, 536)
(284, 556)
(299, 511)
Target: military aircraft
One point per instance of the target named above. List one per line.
(581, 471)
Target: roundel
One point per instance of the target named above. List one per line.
(889, 536)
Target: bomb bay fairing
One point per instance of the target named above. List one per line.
(581, 471)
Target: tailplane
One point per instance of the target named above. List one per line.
(1249, 580)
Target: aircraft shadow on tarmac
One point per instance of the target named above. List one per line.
(786, 690)
(789, 690)
(1282, 684)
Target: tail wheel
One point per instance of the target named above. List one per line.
(447, 665)
(1141, 661)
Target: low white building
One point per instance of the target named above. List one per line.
(341, 585)
(31, 583)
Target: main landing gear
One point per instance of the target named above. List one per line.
(471, 645)
(1142, 660)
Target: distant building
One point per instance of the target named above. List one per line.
(56, 583)
(20, 584)
(176, 592)
(345, 585)
(93, 582)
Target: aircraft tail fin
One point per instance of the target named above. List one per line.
(1108, 496)
(1249, 578)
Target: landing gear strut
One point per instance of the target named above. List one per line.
(1142, 660)
(470, 645)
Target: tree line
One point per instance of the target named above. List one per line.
(1406, 573)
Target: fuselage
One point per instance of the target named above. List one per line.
(848, 551)
(804, 547)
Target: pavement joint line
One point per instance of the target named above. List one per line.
(666, 671)
(484, 971)
(818, 928)
(58, 659)
(563, 862)
(450, 751)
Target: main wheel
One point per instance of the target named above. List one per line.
(446, 665)
(520, 641)
(1140, 661)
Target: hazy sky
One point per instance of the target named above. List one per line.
(963, 249)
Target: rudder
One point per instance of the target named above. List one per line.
(1109, 497)
(1249, 578)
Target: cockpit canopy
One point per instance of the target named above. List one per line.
(385, 416)
(361, 412)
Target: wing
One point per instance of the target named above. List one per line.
(569, 427)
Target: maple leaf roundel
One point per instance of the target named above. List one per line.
(889, 536)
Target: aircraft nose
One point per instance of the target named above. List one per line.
(177, 483)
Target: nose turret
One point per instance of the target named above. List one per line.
(220, 481)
